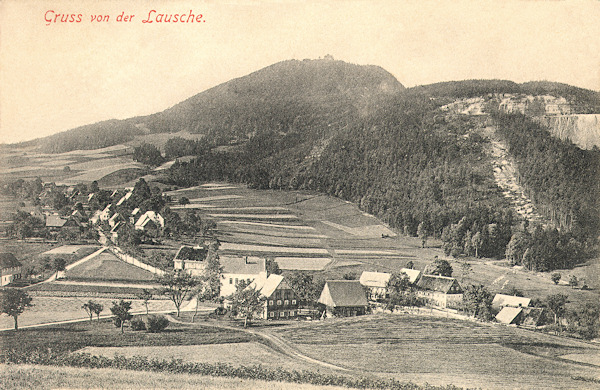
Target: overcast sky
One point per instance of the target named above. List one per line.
(59, 76)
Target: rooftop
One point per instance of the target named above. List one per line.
(8, 260)
(248, 265)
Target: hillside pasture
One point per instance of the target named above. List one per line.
(94, 174)
(440, 350)
(243, 353)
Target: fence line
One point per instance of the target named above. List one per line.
(133, 261)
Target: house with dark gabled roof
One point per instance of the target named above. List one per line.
(10, 268)
(55, 221)
(281, 301)
(442, 291)
(343, 298)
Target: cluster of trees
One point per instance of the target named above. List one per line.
(148, 154)
(179, 147)
(544, 249)
(25, 225)
(22, 189)
(483, 233)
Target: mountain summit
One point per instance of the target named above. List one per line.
(288, 95)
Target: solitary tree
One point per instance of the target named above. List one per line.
(573, 281)
(410, 264)
(556, 304)
(477, 300)
(305, 287)
(440, 267)
(145, 296)
(477, 243)
(398, 283)
(177, 286)
(272, 267)
(423, 233)
(59, 264)
(13, 302)
(556, 277)
(247, 302)
(121, 312)
(466, 269)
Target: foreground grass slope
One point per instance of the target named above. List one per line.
(43, 377)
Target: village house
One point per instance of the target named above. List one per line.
(150, 222)
(240, 268)
(510, 315)
(440, 291)
(10, 268)
(124, 198)
(191, 259)
(281, 301)
(343, 298)
(107, 212)
(116, 218)
(376, 283)
(501, 300)
(55, 222)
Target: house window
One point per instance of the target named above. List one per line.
(279, 302)
(292, 313)
(230, 280)
(272, 314)
(271, 303)
(236, 281)
(287, 302)
(293, 301)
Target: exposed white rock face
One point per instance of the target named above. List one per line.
(583, 129)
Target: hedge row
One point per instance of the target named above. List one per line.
(141, 363)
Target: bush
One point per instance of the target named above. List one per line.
(138, 324)
(156, 324)
(117, 322)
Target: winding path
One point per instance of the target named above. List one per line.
(274, 342)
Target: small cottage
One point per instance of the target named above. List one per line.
(150, 222)
(440, 291)
(10, 268)
(501, 300)
(191, 259)
(510, 315)
(376, 283)
(344, 298)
